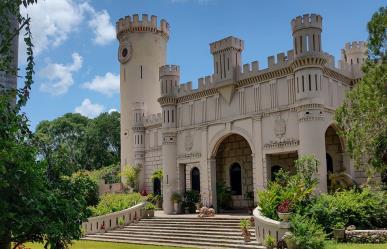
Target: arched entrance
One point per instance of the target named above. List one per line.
(334, 153)
(234, 173)
(195, 179)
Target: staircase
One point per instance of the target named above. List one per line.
(182, 231)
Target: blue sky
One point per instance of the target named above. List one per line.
(76, 64)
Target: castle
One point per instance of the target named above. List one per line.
(243, 123)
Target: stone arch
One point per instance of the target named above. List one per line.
(219, 137)
(234, 169)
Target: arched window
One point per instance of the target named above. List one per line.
(274, 170)
(157, 186)
(236, 179)
(195, 179)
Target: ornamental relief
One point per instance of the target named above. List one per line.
(188, 141)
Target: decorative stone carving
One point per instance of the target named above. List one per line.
(125, 52)
(279, 127)
(188, 142)
(287, 142)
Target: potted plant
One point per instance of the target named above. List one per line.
(338, 230)
(290, 240)
(284, 210)
(121, 222)
(269, 242)
(150, 210)
(245, 225)
(176, 199)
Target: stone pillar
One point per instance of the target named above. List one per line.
(169, 155)
(204, 169)
(258, 176)
(312, 139)
(211, 164)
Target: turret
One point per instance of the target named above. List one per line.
(142, 50)
(306, 31)
(353, 55)
(169, 80)
(227, 57)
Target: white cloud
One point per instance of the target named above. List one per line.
(88, 109)
(107, 84)
(51, 23)
(59, 76)
(112, 110)
(103, 29)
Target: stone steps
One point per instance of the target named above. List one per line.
(181, 231)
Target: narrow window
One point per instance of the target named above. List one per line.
(141, 139)
(171, 87)
(168, 116)
(310, 83)
(195, 179)
(173, 119)
(141, 71)
(319, 43)
(314, 45)
(217, 69)
(303, 85)
(307, 43)
(357, 59)
(164, 115)
(220, 61)
(295, 44)
(315, 79)
(351, 62)
(224, 65)
(300, 44)
(298, 89)
(228, 64)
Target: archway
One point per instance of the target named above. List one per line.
(234, 173)
(195, 179)
(334, 153)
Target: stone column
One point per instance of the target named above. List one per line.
(205, 188)
(211, 164)
(170, 168)
(312, 139)
(258, 176)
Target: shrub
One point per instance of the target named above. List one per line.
(131, 175)
(115, 202)
(110, 174)
(363, 208)
(307, 233)
(157, 174)
(297, 189)
(223, 195)
(88, 187)
(149, 206)
(269, 241)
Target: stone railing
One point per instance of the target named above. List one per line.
(110, 221)
(265, 226)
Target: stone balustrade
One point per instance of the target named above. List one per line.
(110, 221)
(265, 226)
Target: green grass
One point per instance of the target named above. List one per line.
(103, 245)
(107, 245)
(333, 245)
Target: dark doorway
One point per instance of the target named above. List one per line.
(195, 179)
(274, 170)
(236, 179)
(157, 186)
(329, 163)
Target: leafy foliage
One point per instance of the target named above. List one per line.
(363, 115)
(88, 186)
(365, 208)
(307, 233)
(80, 142)
(223, 195)
(110, 174)
(297, 189)
(115, 202)
(131, 175)
(157, 174)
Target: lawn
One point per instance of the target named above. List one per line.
(106, 245)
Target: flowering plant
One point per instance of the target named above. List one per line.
(284, 207)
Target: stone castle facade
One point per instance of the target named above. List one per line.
(243, 123)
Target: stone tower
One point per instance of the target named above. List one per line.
(169, 81)
(353, 56)
(142, 50)
(308, 70)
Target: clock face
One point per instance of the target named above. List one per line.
(125, 52)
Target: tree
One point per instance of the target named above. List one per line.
(363, 115)
(35, 205)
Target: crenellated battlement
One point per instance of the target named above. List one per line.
(227, 43)
(131, 24)
(152, 119)
(306, 21)
(355, 45)
(169, 70)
